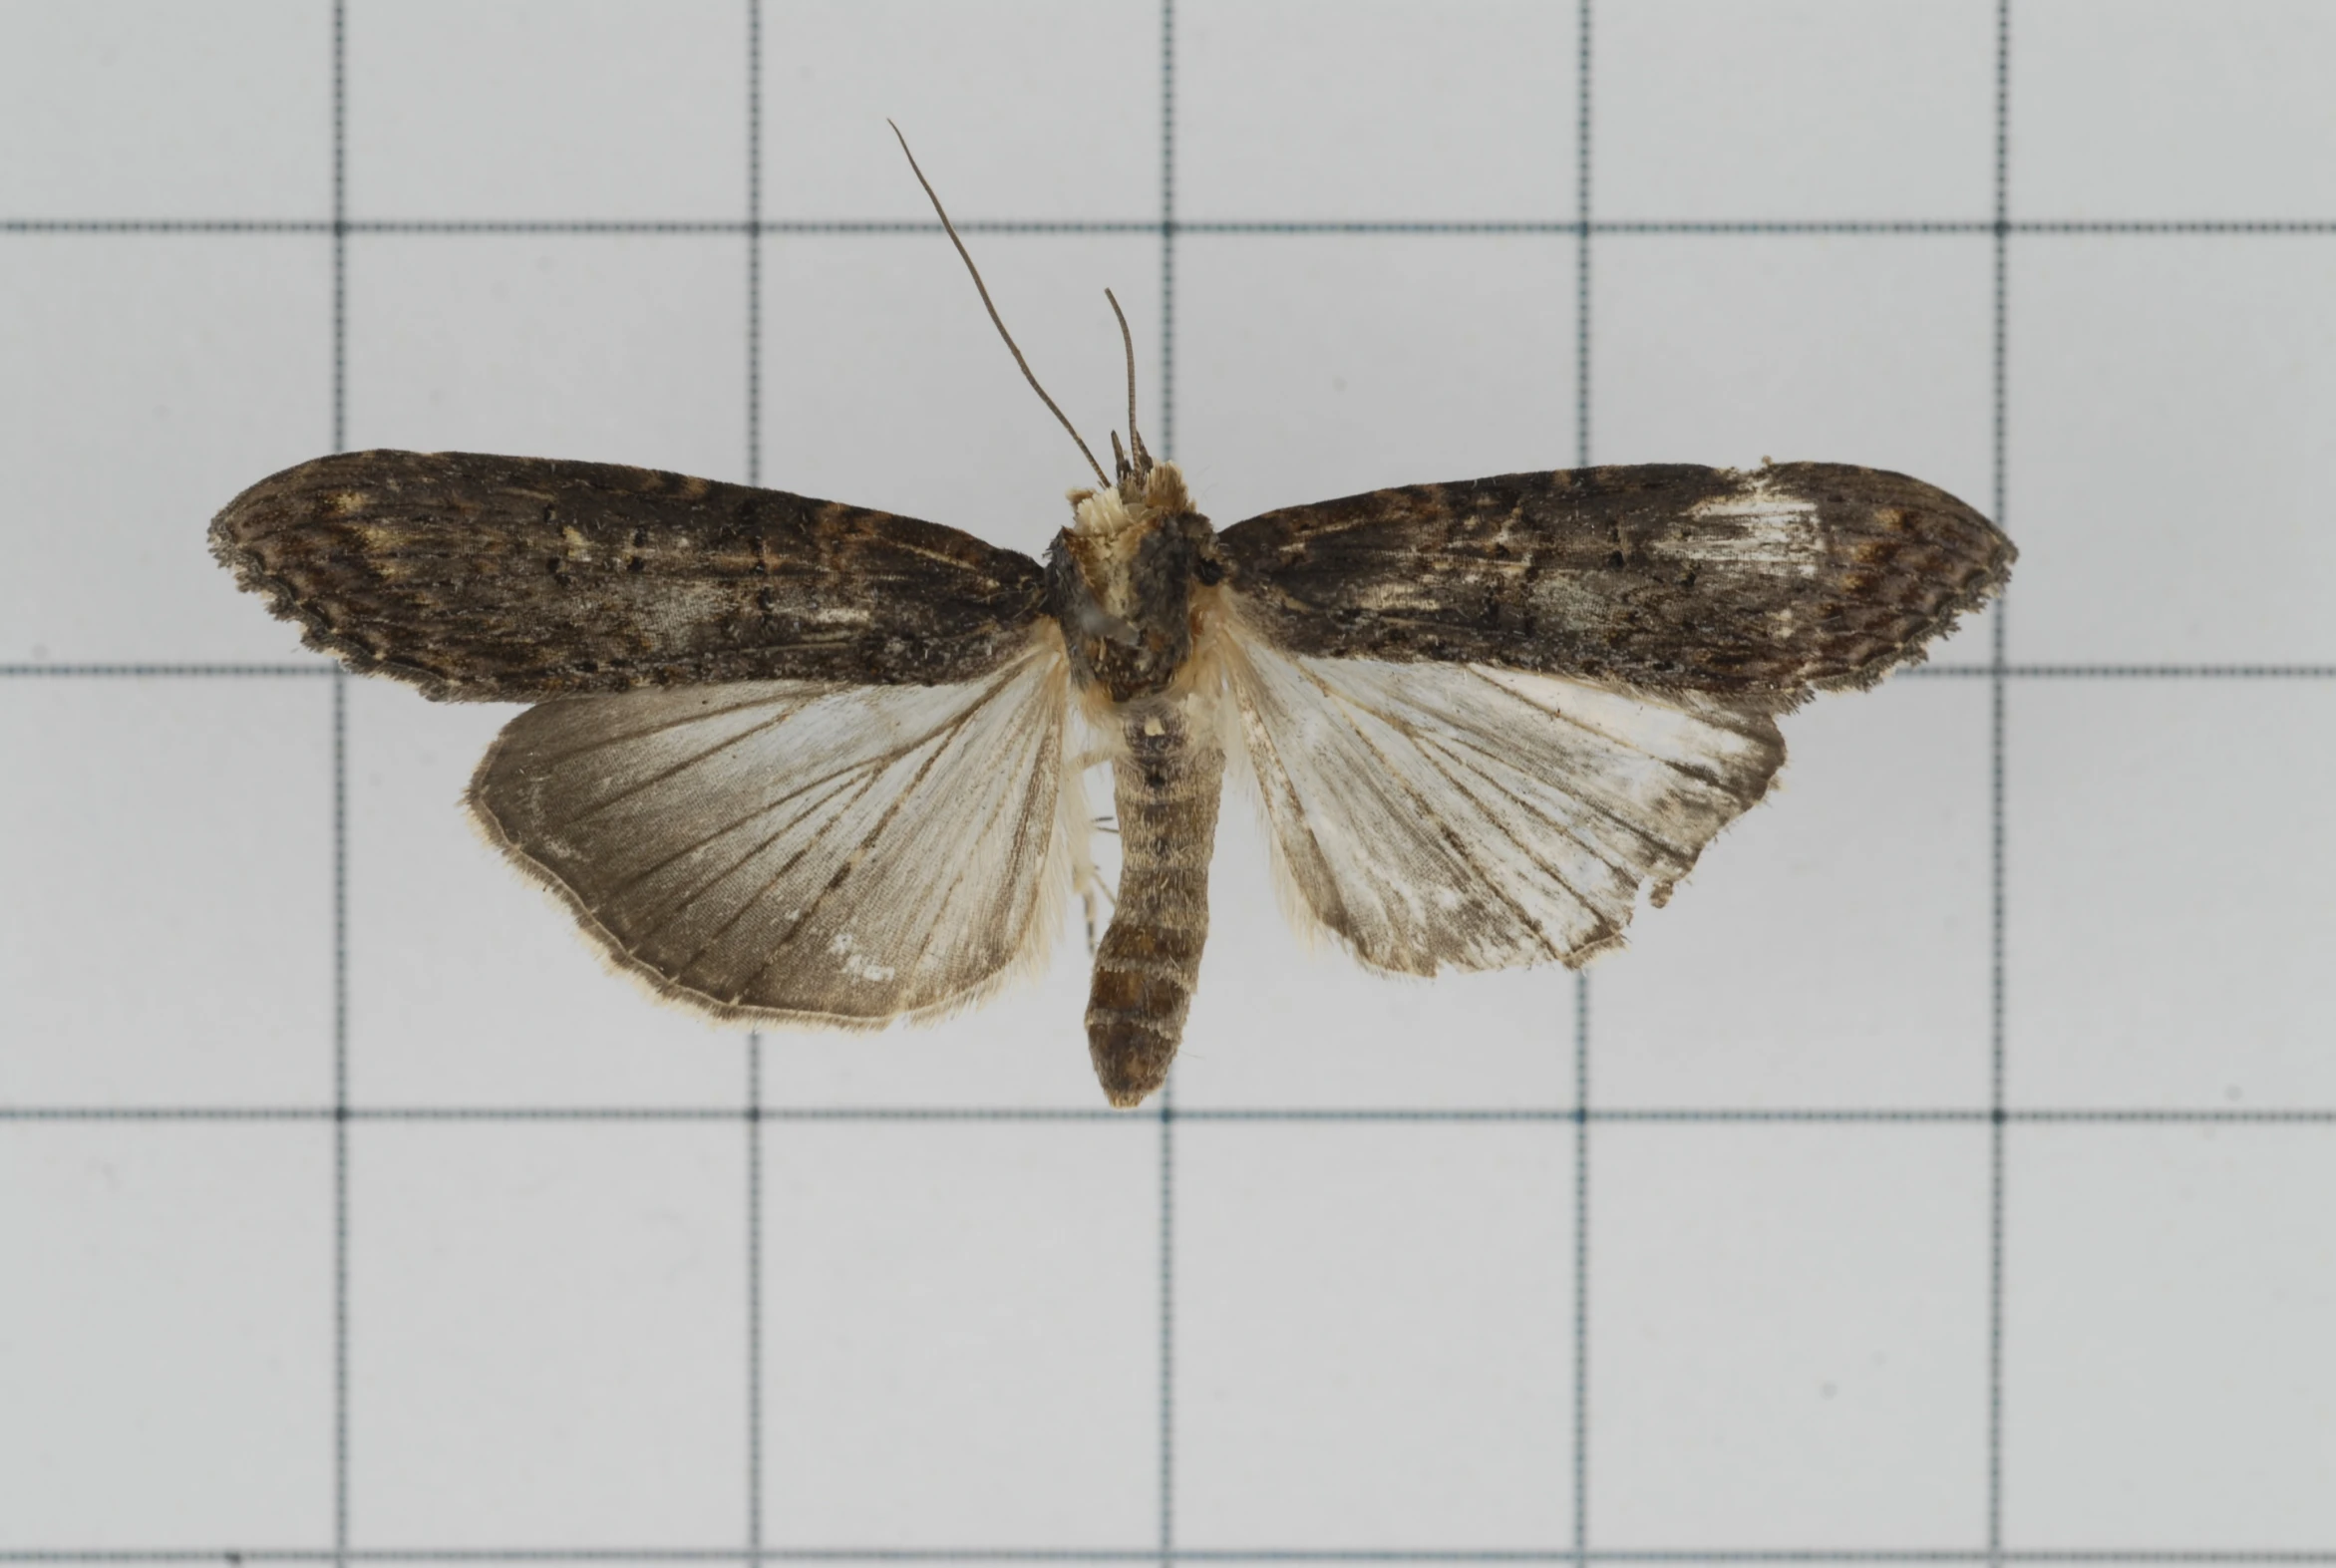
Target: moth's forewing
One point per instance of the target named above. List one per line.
(808, 851)
(1758, 585)
(512, 579)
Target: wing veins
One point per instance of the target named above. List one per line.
(1430, 747)
(736, 822)
(549, 758)
(686, 762)
(852, 863)
(965, 866)
(1322, 526)
(907, 549)
(747, 905)
(1461, 741)
(1266, 738)
(874, 766)
(878, 761)
(1632, 828)
(1451, 838)
(1422, 744)
(690, 896)
(1700, 775)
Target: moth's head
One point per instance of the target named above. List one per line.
(1130, 531)
(1144, 498)
(1123, 581)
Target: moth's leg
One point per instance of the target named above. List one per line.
(1085, 876)
(1089, 890)
(1091, 886)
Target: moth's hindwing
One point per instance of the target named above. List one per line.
(1759, 585)
(808, 851)
(519, 578)
(1438, 817)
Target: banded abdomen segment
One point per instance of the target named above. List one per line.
(1165, 782)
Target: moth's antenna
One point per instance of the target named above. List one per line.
(983, 290)
(1128, 342)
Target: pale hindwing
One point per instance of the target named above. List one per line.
(1460, 816)
(821, 852)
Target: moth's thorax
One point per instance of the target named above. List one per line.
(1128, 582)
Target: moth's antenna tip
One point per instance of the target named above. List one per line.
(983, 290)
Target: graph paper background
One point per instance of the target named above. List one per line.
(1948, 1174)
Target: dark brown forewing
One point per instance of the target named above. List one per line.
(1758, 585)
(519, 578)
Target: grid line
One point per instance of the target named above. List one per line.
(1167, 227)
(1167, 1380)
(156, 671)
(340, 1109)
(1581, 980)
(1167, 1321)
(754, 1291)
(340, 811)
(754, 231)
(754, 1038)
(1641, 1116)
(1999, 369)
(233, 1557)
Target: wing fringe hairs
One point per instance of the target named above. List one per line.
(805, 852)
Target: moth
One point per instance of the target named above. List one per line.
(798, 761)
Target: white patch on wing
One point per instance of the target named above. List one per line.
(1459, 817)
(804, 849)
(1757, 526)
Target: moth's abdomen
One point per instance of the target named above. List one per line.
(1166, 782)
